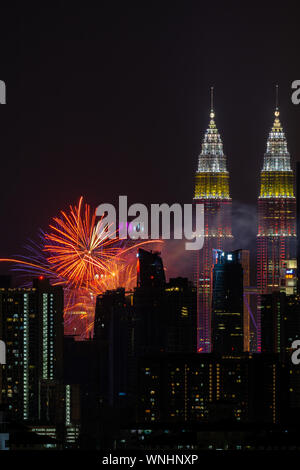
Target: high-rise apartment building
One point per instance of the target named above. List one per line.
(31, 324)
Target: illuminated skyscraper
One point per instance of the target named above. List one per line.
(276, 239)
(280, 323)
(245, 262)
(31, 324)
(298, 222)
(211, 190)
(227, 303)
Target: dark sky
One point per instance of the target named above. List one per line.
(115, 100)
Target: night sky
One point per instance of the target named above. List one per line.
(115, 100)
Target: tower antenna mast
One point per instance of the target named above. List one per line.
(277, 100)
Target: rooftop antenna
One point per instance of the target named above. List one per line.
(277, 103)
(212, 114)
(277, 100)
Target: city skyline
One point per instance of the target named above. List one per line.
(82, 116)
(150, 242)
(242, 216)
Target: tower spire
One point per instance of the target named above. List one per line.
(276, 238)
(277, 127)
(212, 159)
(277, 159)
(212, 191)
(212, 124)
(277, 102)
(277, 124)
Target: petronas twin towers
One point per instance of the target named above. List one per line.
(276, 237)
(211, 190)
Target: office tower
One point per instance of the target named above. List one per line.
(298, 222)
(280, 323)
(211, 190)
(148, 300)
(164, 313)
(227, 303)
(115, 339)
(150, 269)
(272, 309)
(179, 316)
(276, 239)
(280, 326)
(245, 262)
(113, 332)
(31, 324)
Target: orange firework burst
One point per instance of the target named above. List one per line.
(79, 249)
(76, 253)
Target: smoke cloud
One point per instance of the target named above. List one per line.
(179, 262)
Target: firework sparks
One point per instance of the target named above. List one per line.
(78, 249)
(77, 254)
